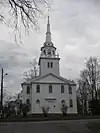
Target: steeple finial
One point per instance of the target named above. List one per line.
(48, 16)
(48, 20)
(48, 33)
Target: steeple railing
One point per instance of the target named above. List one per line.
(49, 56)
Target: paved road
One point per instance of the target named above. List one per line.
(71, 126)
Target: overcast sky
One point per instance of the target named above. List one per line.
(75, 27)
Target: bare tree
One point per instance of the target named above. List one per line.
(7, 96)
(32, 72)
(91, 75)
(82, 96)
(22, 12)
(89, 83)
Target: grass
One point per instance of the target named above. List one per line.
(94, 126)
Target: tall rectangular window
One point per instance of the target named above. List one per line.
(62, 88)
(28, 89)
(27, 101)
(38, 89)
(51, 64)
(70, 103)
(48, 65)
(70, 90)
(50, 88)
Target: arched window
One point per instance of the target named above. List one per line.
(38, 89)
(70, 103)
(62, 101)
(27, 101)
(62, 88)
(50, 88)
(70, 90)
(28, 89)
(37, 101)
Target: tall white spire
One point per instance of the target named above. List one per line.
(48, 33)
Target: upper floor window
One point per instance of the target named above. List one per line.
(27, 101)
(50, 88)
(70, 103)
(51, 64)
(28, 89)
(48, 65)
(62, 88)
(70, 90)
(38, 89)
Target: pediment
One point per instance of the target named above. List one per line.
(49, 78)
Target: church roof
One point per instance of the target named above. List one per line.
(54, 79)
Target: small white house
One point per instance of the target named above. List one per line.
(49, 88)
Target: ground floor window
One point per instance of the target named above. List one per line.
(27, 101)
(37, 101)
(70, 103)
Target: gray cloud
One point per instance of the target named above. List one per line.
(75, 26)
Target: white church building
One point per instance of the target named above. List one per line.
(49, 88)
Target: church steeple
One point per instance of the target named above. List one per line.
(48, 49)
(49, 58)
(48, 33)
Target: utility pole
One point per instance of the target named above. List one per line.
(2, 92)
